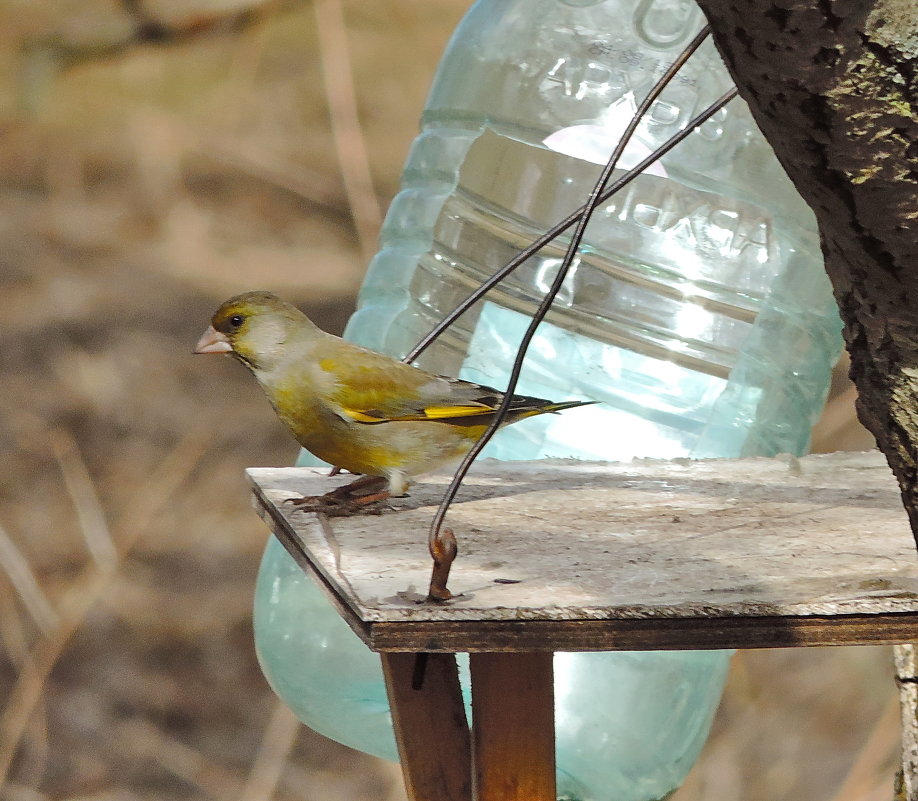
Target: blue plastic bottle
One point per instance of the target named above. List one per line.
(698, 313)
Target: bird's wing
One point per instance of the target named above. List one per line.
(372, 388)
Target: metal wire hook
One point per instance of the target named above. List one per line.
(436, 539)
(607, 193)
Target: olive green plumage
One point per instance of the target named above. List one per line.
(353, 407)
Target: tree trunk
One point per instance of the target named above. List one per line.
(833, 85)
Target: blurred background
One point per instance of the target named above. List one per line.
(155, 158)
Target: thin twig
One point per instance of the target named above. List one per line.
(140, 738)
(12, 631)
(311, 185)
(17, 569)
(346, 130)
(874, 758)
(85, 592)
(90, 514)
(276, 744)
(243, 68)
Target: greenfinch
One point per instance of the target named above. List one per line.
(352, 407)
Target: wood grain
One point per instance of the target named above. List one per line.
(513, 726)
(644, 555)
(431, 731)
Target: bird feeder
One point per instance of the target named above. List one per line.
(649, 555)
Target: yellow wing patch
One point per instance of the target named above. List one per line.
(429, 413)
(442, 412)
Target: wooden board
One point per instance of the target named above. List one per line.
(513, 726)
(431, 730)
(644, 555)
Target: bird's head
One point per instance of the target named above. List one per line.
(254, 327)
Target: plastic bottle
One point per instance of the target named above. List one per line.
(698, 313)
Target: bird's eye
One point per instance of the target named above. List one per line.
(236, 320)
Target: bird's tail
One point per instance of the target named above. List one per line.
(560, 407)
(534, 406)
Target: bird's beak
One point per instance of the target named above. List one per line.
(212, 341)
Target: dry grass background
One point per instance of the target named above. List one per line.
(156, 158)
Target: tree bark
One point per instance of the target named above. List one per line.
(833, 85)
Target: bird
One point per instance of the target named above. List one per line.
(352, 407)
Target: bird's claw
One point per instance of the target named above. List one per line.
(338, 504)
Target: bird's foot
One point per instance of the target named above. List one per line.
(332, 506)
(366, 495)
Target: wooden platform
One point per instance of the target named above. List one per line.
(648, 555)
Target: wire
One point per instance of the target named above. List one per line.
(581, 217)
(616, 186)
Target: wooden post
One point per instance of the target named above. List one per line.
(430, 725)
(513, 719)
(907, 679)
